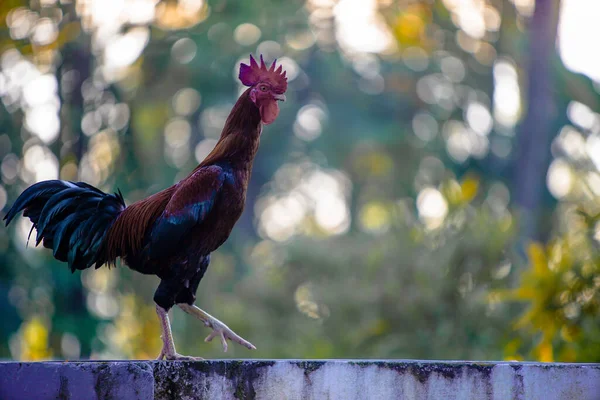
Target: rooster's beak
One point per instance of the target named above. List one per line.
(280, 97)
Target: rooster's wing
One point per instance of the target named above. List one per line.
(193, 199)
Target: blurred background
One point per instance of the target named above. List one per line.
(429, 190)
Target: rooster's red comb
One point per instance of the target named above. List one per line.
(252, 74)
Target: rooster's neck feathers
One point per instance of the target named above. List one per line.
(240, 137)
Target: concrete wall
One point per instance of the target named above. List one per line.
(290, 379)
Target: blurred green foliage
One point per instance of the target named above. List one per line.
(379, 221)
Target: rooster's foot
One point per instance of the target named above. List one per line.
(224, 332)
(176, 357)
(220, 330)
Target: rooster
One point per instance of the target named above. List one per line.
(172, 233)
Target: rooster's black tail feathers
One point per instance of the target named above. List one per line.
(71, 218)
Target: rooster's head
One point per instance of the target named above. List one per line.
(267, 86)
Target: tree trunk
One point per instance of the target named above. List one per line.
(536, 131)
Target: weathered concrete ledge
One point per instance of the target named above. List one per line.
(296, 379)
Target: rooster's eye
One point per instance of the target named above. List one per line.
(263, 88)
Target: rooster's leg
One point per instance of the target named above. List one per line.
(219, 329)
(168, 350)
